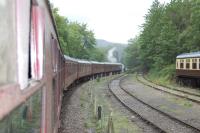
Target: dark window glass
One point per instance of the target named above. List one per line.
(24, 119)
(187, 65)
(181, 65)
(194, 65)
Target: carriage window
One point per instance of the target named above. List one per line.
(17, 46)
(26, 118)
(37, 43)
(187, 63)
(53, 52)
(14, 40)
(181, 64)
(194, 63)
(53, 113)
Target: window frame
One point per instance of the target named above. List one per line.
(37, 42)
(199, 63)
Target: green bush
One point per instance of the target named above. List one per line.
(163, 76)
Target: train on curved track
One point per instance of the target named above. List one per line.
(33, 70)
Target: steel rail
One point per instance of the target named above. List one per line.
(153, 108)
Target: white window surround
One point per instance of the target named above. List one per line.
(22, 38)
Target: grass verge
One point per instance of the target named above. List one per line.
(94, 94)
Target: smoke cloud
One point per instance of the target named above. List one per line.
(111, 57)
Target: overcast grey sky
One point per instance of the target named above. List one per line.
(112, 20)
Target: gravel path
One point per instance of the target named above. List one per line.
(72, 117)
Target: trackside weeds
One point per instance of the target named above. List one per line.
(94, 94)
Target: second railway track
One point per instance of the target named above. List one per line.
(160, 120)
(177, 92)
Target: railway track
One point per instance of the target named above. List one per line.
(156, 118)
(173, 88)
(191, 96)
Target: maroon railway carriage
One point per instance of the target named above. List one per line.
(84, 68)
(71, 73)
(97, 68)
(33, 69)
(112, 67)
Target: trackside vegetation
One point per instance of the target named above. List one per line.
(76, 39)
(169, 29)
(94, 94)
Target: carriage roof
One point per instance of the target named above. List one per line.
(189, 55)
(83, 61)
(110, 63)
(70, 58)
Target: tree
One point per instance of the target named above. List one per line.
(75, 39)
(168, 30)
(132, 54)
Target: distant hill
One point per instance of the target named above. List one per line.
(104, 43)
(116, 48)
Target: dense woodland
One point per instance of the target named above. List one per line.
(169, 29)
(76, 40)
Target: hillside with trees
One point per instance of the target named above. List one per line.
(169, 29)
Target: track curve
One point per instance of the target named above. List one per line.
(160, 120)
